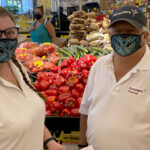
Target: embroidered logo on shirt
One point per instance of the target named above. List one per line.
(136, 91)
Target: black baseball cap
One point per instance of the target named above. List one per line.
(131, 14)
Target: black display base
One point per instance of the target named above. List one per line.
(62, 128)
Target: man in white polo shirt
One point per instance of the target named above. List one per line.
(115, 110)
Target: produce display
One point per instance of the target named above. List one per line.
(37, 58)
(59, 74)
(86, 31)
(81, 24)
(63, 87)
(80, 51)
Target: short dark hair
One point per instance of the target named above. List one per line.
(4, 12)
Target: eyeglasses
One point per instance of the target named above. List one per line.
(10, 33)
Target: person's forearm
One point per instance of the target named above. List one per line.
(54, 40)
(31, 28)
(47, 134)
(83, 129)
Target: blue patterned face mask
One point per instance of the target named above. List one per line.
(126, 44)
(7, 49)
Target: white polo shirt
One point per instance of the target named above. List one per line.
(22, 115)
(118, 112)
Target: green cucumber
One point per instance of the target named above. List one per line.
(64, 52)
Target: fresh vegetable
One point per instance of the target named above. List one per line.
(64, 89)
(52, 92)
(56, 107)
(62, 97)
(70, 103)
(44, 85)
(73, 79)
(65, 112)
(75, 93)
(75, 112)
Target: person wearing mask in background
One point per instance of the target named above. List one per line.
(42, 30)
(115, 110)
(22, 108)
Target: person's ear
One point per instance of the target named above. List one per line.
(145, 37)
(109, 33)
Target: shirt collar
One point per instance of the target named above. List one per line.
(144, 63)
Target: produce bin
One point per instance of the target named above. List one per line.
(64, 129)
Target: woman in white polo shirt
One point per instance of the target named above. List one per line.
(22, 109)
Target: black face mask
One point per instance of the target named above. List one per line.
(37, 16)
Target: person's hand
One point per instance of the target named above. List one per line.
(53, 145)
(31, 28)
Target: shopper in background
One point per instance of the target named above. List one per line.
(116, 104)
(22, 109)
(42, 30)
(60, 18)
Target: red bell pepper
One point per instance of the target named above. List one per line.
(85, 73)
(47, 106)
(51, 48)
(79, 102)
(36, 85)
(75, 112)
(51, 92)
(60, 81)
(40, 76)
(48, 65)
(84, 81)
(63, 89)
(51, 99)
(74, 65)
(75, 72)
(90, 57)
(66, 112)
(70, 103)
(70, 60)
(48, 113)
(67, 62)
(50, 75)
(44, 85)
(75, 93)
(73, 79)
(79, 87)
(64, 64)
(59, 69)
(70, 84)
(62, 97)
(65, 71)
(53, 87)
(80, 76)
(81, 94)
(56, 107)
(69, 74)
(56, 76)
(54, 69)
(50, 81)
(44, 93)
(82, 64)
